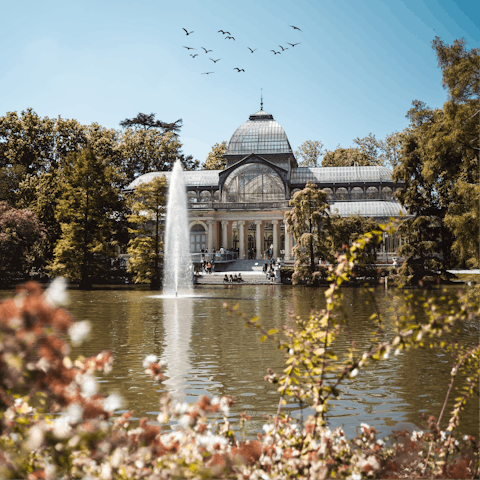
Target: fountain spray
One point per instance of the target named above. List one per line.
(177, 236)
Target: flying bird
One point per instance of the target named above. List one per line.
(206, 51)
(229, 37)
(187, 32)
(214, 61)
(193, 56)
(283, 49)
(275, 52)
(224, 32)
(239, 69)
(295, 28)
(251, 49)
(190, 48)
(293, 44)
(207, 73)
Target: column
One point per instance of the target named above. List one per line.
(258, 238)
(275, 238)
(210, 236)
(224, 234)
(288, 248)
(241, 235)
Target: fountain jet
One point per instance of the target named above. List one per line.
(177, 275)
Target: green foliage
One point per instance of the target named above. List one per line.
(85, 212)
(346, 157)
(309, 152)
(147, 205)
(370, 148)
(439, 158)
(21, 238)
(215, 160)
(308, 221)
(147, 150)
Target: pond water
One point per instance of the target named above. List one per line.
(209, 351)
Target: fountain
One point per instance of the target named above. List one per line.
(177, 276)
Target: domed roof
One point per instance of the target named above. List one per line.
(261, 134)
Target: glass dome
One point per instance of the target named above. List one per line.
(261, 134)
(253, 183)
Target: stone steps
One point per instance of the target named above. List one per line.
(249, 278)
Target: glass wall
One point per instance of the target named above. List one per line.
(253, 183)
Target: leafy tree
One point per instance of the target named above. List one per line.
(86, 213)
(147, 205)
(439, 157)
(343, 231)
(21, 235)
(146, 122)
(148, 150)
(26, 145)
(215, 160)
(370, 147)
(346, 157)
(309, 152)
(309, 222)
(390, 148)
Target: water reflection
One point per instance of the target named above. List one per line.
(177, 323)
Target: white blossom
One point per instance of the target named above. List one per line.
(416, 435)
(148, 360)
(89, 386)
(74, 413)
(354, 372)
(56, 293)
(79, 331)
(35, 438)
(106, 472)
(61, 427)
(112, 402)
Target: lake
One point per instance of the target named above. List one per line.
(206, 350)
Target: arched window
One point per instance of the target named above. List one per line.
(357, 193)
(216, 196)
(372, 193)
(341, 193)
(253, 183)
(387, 193)
(205, 196)
(192, 197)
(329, 193)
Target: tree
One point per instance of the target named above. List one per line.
(26, 146)
(439, 157)
(146, 122)
(215, 160)
(343, 231)
(309, 152)
(346, 157)
(390, 148)
(147, 205)
(148, 150)
(86, 213)
(309, 222)
(370, 147)
(21, 235)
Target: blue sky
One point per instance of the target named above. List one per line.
(357, 69)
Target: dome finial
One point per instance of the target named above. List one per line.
(261, 99)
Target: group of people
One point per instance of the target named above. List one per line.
(235, 278)
(269, 270)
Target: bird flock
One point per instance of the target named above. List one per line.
(228, 36)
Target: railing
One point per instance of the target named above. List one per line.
(237, 206)
(217, 256)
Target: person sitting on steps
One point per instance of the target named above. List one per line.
(225, 279)
(231, 279)
(235, 278)
(240, 279)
